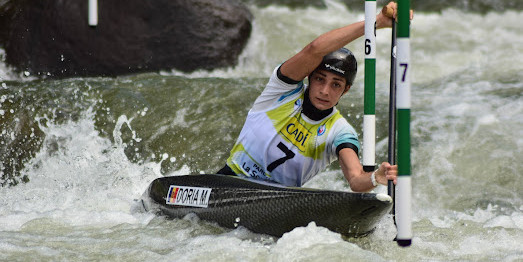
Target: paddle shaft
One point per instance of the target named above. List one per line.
(392, 116)
(392, 109)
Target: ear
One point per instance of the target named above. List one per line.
(346, 89)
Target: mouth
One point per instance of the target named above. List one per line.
(323, 101)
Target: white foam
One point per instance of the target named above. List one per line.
(78, 178)
(315, 243)
(501, 221)
(384, 197)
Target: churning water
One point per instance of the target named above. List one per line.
(75, 153)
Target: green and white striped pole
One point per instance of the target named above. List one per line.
(369, 98)
(404, 187)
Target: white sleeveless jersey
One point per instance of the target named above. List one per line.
(280, 144)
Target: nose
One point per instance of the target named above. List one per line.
(324, 88)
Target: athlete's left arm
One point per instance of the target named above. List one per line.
(359, 180)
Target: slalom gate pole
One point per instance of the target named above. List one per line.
(403, 198)
(93, 12)
(369, 98)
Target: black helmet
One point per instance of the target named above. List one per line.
(341, 62)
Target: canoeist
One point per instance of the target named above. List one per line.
(294, 131)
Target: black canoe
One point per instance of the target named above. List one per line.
(263, 207)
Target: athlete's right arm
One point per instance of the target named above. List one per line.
(304, 62)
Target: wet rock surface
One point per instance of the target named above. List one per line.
(53, 38)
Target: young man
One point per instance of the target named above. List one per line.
(293, 131)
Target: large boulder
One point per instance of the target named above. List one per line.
(52, 37)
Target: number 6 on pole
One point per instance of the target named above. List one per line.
(369, 99)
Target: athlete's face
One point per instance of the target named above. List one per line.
(326, 89)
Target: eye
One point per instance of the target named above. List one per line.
(318, 78)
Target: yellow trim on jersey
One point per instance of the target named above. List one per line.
(236, 168)
(300, 133)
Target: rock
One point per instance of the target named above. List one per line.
(53, 37)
